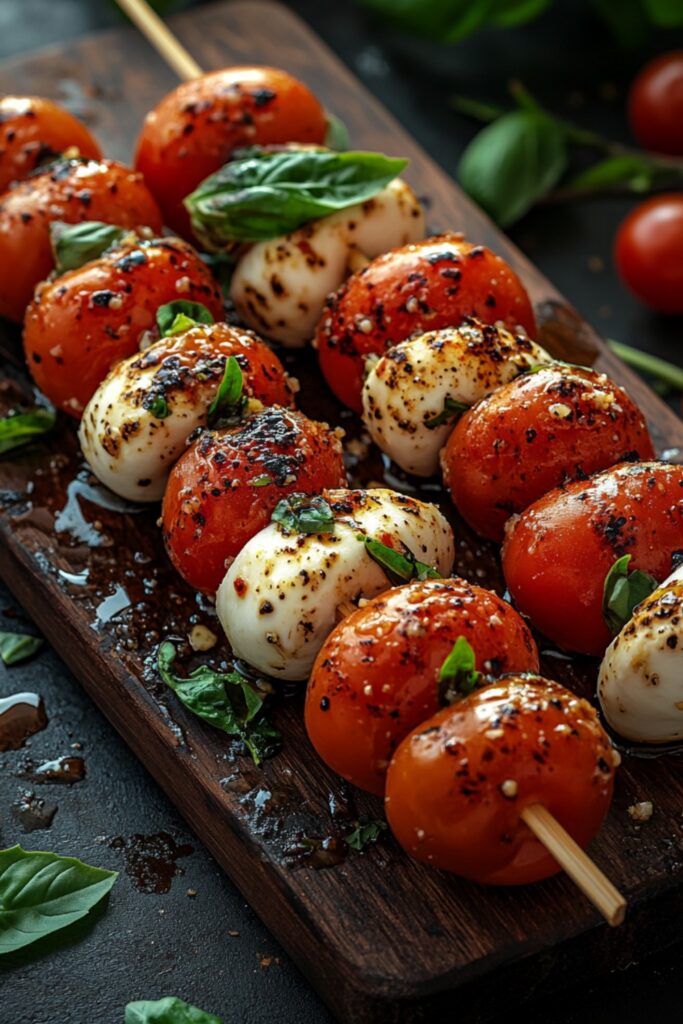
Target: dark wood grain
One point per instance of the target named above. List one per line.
(381, 938)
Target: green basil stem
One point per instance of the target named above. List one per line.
(656, 367)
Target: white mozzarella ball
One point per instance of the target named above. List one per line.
(411, 384)
(282, 595)
(640, 685)
(279, 287)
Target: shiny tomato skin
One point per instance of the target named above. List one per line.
(655, 105)
(72, 191)
(539, 431)
(457, 784)
(420, 287)
(376, 677)
(557, 553)
(32, 130)
(82, 323)
(649, 252)
(193, 130)
(223, 490)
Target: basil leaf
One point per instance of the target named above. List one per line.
(261, 481)
(16, 647)
(41, 893)
(157, 405)
(76, 244)
(665, 13)
(229, 402)
(512, 163)
(633, 171)
(226, 700)
(303, 513)
(447, 21)
(263, 194)
(169, 1010)
(337, 136)
(176, 317)
(398, 566)
(623, 591)
(365, 833)
(21, 428)
(511, 13)
(458, 674)
(451, 408)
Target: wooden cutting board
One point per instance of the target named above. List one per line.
(379, 936)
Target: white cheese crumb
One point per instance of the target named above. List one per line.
(202, 638)
(509, 789)
(641, 811)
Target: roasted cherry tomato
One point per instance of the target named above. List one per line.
(85, 321)
(377, 675)
(655, 104)
(649, 252)
(32, 130)
(194, 130)
(557, 554)
(457, 785)
(422, 287)
(541, 430)
(71, 191)
(222, 491)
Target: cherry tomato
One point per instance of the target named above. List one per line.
(655, 104)
(225, 487)
(557, 554)
(377, 675)
(32, 130)
(82, 323)
(649, 252)
(422, 287)
(541, 430)
(193, 131)
(71, 191)
(457, 785)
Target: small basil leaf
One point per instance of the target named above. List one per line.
(21, 428)
(157, 405)
(16, 647)
(303, 513)
(337, 136)
(365, 833)
(451, 408)
(458, 675)
(665, 13)
(176, 317)
(263, 194)
(226, 700)
(623, 591)
(633, 171)
(229, 402)
(169, 1010)
(261, 481)
(398, 566)
(512, 163)
(41, 893)
(76, 244)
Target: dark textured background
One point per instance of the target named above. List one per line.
(147, 944)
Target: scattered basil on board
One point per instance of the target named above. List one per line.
(41, 893)
(181, 315)
(303, 513)
(399, 566)
(458, 675)
(16, 647)
(230, 400)
(169, 1010)
(365, 833)
(623, 591)
(20, 428)
(76, 244)
(262, 193)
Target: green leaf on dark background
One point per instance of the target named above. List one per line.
(229, 401)
(16, 647)
(458, 675)
(169, 1010)
(21, 428)
(623, 591)
(176, 317)
(76, 244)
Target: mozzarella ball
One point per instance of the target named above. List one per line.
(280, 286)
(640, 684)
(282, 595)
(413, 382)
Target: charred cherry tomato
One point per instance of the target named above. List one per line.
(193, 131)
(72, 191)
(655, 105)
(32, 130)
(82, 323)
(649, 252)
(541, 430)
(377, 675)
(557, 554)
(457, 785)
(224, 488)
(421, 287)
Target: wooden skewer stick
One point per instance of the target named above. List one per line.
(161, 38)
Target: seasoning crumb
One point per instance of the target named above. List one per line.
(494, 734)
(596, 264)
(641, 811)
(77, 746)
(509, 789)
(233, 934)
(191, 892)
(202, 638)
(267, 960)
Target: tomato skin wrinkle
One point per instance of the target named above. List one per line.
(648, 252)
(655, 105)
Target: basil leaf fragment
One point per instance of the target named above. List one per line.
(226, 700)
(365, 833)
(16, 647)
(304, 513)
(458, 675)
(76, 244)
(337, 135)
(20, 428)
(157, 405)
(41, 893)
(451, 408)
(399, 566)
(263, 194)
(176, 317)
(169, 1010)
(623, 591)
(229, 402)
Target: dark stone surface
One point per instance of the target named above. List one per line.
(144, 944)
